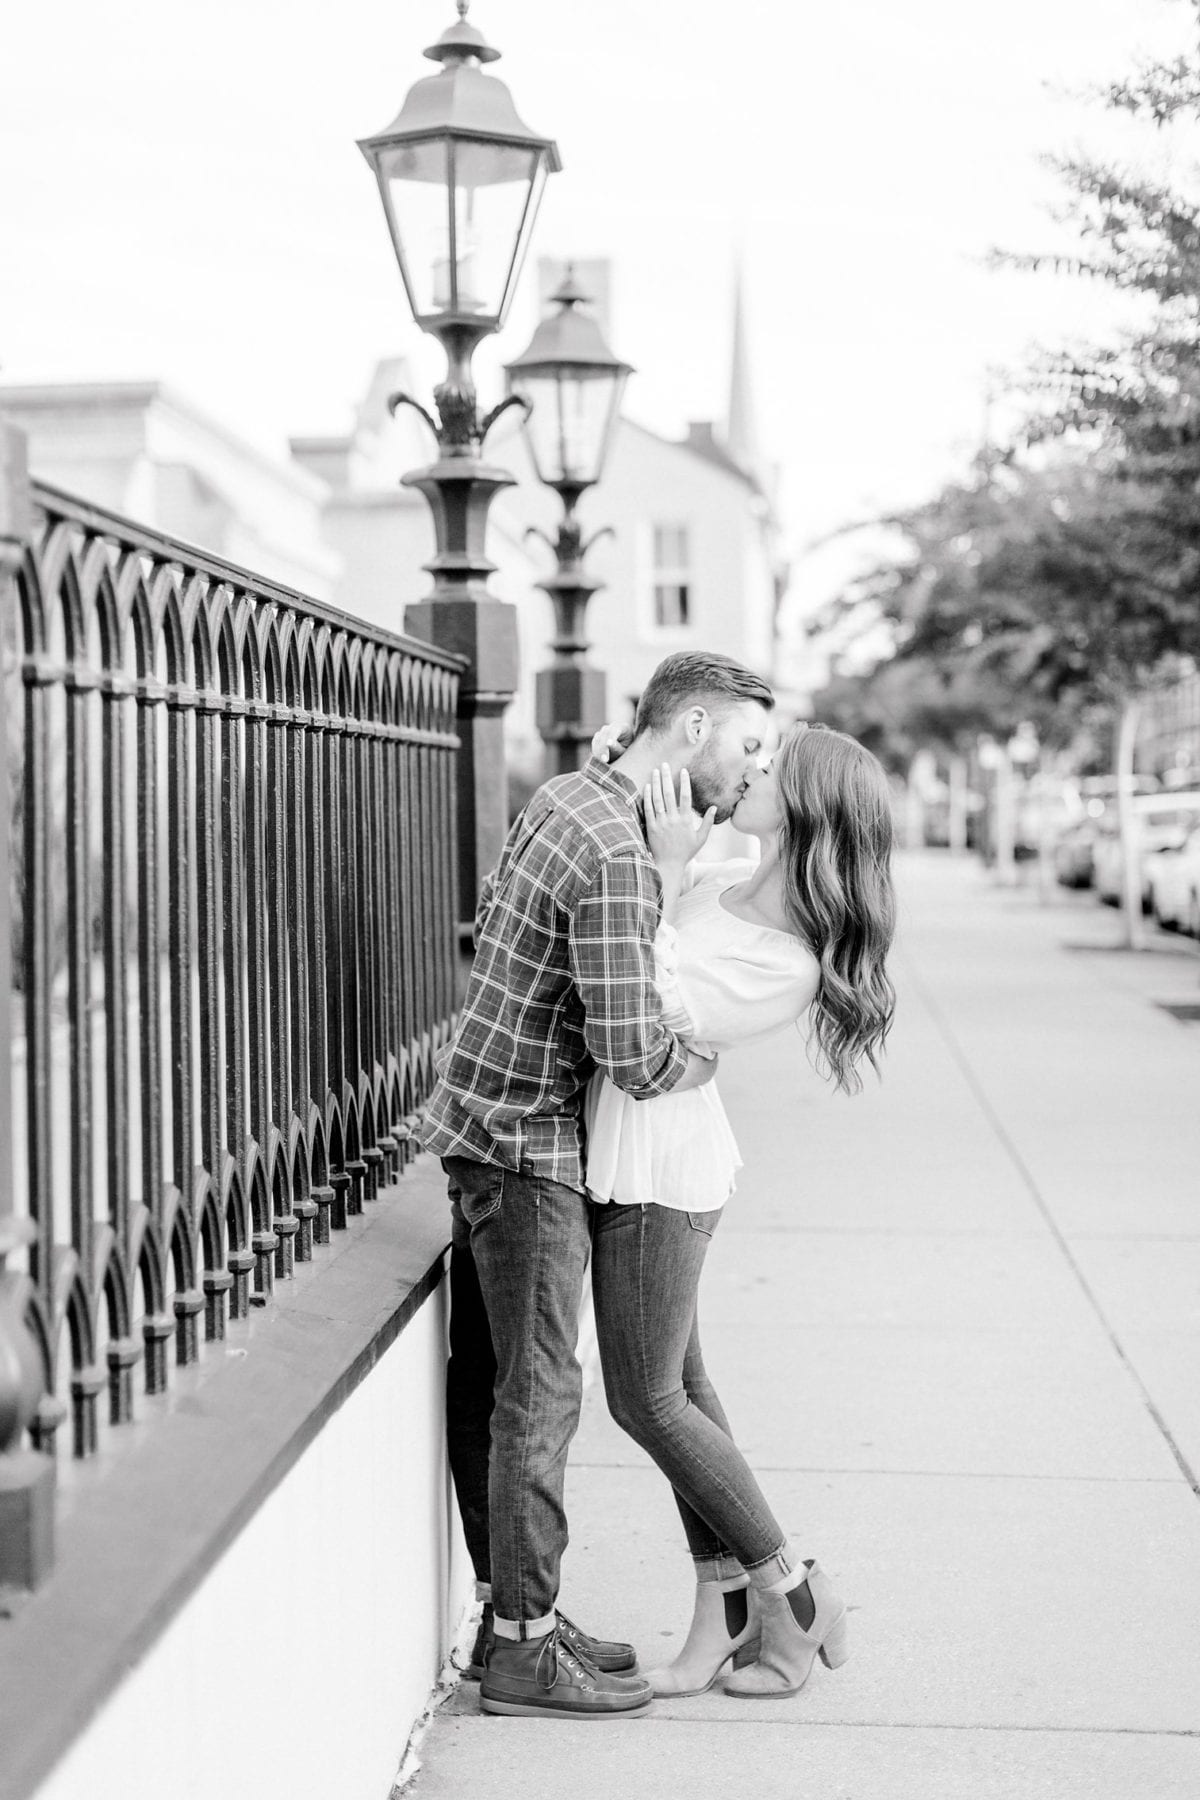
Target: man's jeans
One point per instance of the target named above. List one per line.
(513, 1385)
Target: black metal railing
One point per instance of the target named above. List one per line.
(233, 938)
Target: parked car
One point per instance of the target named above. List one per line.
(1175, 885)
(1042, 817)
(1163, 822)
(1073, 853)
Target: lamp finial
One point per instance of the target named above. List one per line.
(462, 41)
(569, 291)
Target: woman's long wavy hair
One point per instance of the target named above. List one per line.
(835, 842)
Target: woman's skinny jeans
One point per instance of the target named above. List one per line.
(646, 1263)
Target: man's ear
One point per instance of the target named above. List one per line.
(697, 724)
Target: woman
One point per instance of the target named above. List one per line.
(745, 948)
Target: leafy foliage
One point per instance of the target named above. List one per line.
(1065, 572)
(910, 704)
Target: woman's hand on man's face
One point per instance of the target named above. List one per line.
(674, 831)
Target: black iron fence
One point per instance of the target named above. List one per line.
(233, 939)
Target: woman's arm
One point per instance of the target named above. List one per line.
(673, 831)
(737, 995)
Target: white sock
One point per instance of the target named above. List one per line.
(516, 1629)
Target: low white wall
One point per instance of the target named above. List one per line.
(297, 1670)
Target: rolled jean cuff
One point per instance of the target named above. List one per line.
(773, 1569)
(518, 1630)
(717, 1568)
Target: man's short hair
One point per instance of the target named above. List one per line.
(696, 678)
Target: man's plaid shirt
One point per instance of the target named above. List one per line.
(563, 984)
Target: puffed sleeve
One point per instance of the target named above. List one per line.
(666, 980)
(666, 943)
(743, 994)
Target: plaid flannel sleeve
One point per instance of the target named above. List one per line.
(611, 951)
(487, 894)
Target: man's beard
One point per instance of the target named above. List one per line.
(708, 787)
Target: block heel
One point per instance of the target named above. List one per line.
(789, 1649)
(835, 1647)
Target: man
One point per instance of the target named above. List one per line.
(562, 986)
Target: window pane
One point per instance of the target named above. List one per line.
(670, 604)
(531, 212)
(491, 188)
(671, 548)
(416, 180)
(584, 416)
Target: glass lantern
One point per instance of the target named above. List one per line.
(573, 384)
(461, 179)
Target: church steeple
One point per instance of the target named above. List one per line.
(741, 424)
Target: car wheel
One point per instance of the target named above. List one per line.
(1160, 919)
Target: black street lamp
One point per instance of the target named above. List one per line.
(461, 176)
(572, 384)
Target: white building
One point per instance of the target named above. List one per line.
(137, 448)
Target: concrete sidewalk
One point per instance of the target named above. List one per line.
(956, 1324)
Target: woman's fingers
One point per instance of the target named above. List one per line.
(610, 740)
(665, 810)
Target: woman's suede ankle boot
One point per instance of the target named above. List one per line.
(722, 1631)
(788, 1650)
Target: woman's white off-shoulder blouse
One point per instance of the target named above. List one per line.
(724, 981)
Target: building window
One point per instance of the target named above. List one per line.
(671, 578)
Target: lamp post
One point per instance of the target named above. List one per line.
(996, 760)
(461, 177)
(572, 385)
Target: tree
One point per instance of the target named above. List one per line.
(1064, 573)
(1041, 590)
(1134, 407)
(910, 704)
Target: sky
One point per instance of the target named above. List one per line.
(181, 197)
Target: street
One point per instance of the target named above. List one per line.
(956, 1324)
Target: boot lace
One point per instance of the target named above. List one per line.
(579, 1641)
(555, 1656)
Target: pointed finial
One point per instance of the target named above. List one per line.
(569, 291)
(462, 41)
